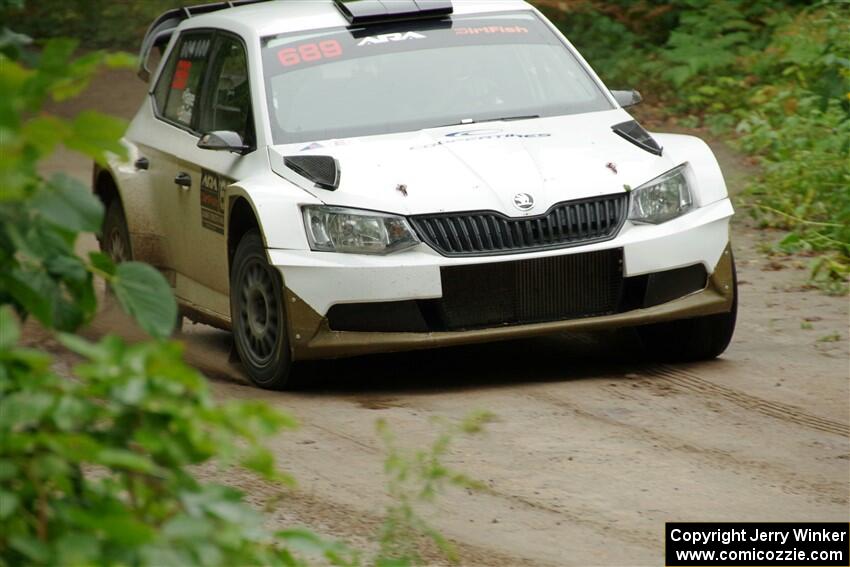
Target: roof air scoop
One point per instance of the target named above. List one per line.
(160, 31)
(376, 11)
(324, 171)
(634, 133)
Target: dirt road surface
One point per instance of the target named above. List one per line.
(592, 451)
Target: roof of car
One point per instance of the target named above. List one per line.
(283, 16)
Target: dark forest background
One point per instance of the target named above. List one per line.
(771, 76)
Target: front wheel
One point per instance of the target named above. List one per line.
(258, 316)
(115, 241)
(701, 338)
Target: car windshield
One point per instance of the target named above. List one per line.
(346, 82)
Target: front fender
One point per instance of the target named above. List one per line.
(277, 207)
(709, 184)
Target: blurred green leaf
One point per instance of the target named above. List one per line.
(102, 263)
(97, 135)
(78, 548)
(44, 133)
(30, 547)
(96, 461)
(12, 44)
(146, 296)
(24, 409)
(82, 347)
(34, 291)
(123, 459)
(9, 330)
(9, 502)
(120, 60)
(187, 527)
(68, 204)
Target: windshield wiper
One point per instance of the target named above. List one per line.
(469, 121)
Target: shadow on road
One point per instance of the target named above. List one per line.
(558, 358)
(491, 365)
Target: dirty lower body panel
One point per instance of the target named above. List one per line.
(488, 302)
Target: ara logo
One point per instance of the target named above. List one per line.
(389, 37)
(523, 201)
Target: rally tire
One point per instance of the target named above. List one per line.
(259, 316)
(689, 340)
(115, 240)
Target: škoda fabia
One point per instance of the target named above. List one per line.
(332, 178)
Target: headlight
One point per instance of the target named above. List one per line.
(662, 199)
(331, 229)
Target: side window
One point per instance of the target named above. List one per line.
(177, 93)
(160, 92)
(227, 104)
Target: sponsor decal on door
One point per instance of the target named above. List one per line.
(213, 187)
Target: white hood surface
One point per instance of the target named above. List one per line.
(483, 166)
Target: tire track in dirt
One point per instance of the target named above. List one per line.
(823, 491)
(690, 382)
(314, 510)
(231, 375)
(588, 517)
(349, 523)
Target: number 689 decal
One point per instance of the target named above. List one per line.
(308, 52)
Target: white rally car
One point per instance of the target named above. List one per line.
(329, 178)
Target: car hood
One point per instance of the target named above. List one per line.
(481, 166)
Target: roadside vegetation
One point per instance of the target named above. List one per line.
(99, 463)
(772, 76)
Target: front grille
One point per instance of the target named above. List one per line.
(531, 291)
(486, 233)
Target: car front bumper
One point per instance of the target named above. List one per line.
(316, 281)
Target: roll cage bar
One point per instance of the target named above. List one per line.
(160, 31)
(355, 11)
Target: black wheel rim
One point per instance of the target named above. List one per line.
(259, 318)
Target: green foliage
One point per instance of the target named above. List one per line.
(606, 43)
(777, 74)
(140, 291)
(710, 39)
(97, 470)
(40, 219)
(799, 125)
(98, 465)
(113, 24)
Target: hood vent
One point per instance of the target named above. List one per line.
(324, 171)
(634, 132)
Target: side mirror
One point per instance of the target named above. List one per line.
(627, 98)
(223, 141)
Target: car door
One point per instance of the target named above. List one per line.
(167, 145)
(225, 105)
(203, 88)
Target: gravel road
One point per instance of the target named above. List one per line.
(592, 450)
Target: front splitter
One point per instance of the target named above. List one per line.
(311, 337)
